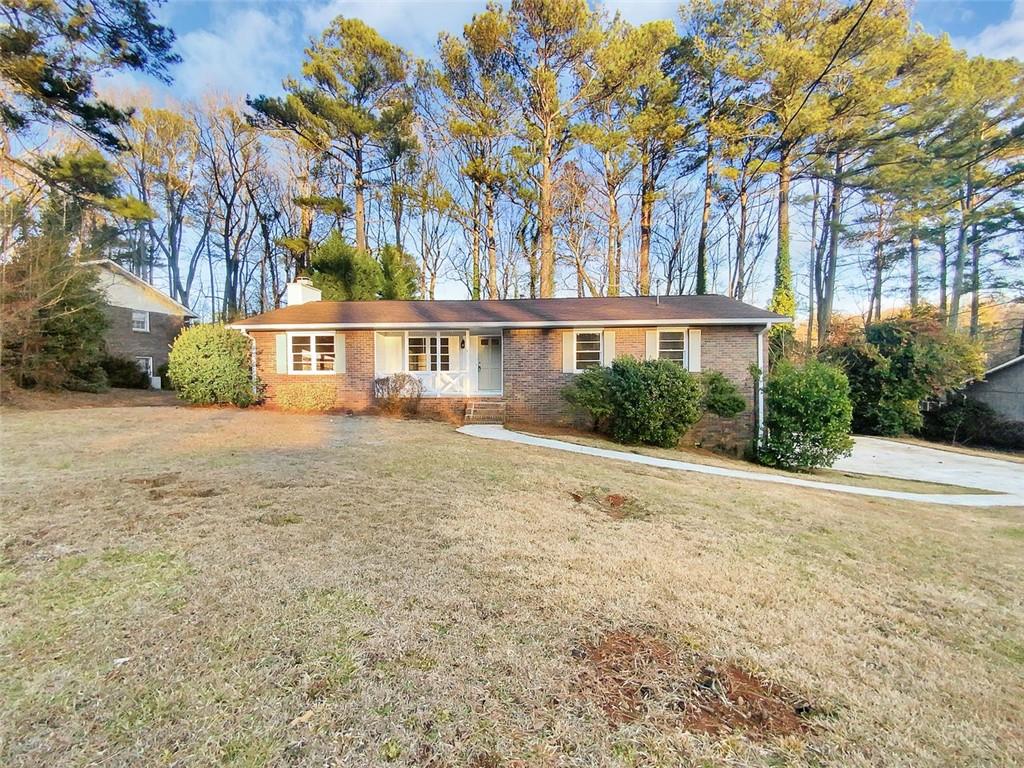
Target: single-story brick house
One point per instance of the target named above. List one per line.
(142, 321)
(507, 360)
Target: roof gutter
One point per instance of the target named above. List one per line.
(759, 321)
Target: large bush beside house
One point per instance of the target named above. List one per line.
(895, 364)
(212, 364)
(808, 416)
(650, 401)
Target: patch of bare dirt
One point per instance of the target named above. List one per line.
(154, 481)
(617, 506)
(635, 677)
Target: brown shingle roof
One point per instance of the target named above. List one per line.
(523, 313)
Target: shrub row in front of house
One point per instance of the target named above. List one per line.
(655, 402)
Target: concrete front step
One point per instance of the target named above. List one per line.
(485, 412)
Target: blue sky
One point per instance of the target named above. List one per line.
(239, 47)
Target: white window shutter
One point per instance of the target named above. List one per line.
(608, 353)
(339, 352)
(281, 340)
(651, 345)
(693, 350)
(568, 351)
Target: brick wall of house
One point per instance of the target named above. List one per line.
(534, 381)
(122, 341)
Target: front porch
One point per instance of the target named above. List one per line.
(455, 363)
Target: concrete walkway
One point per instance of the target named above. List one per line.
(494, 432)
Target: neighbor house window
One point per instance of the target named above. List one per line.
(429, 353)
(145, 365)
(588, 350)
(313, 353)
(672, 346)
(140, 321)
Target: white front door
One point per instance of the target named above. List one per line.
(489, 363)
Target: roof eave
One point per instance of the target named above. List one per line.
(758, 321)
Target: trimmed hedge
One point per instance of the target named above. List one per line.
(211, 364)
(808, 416)
(306, 397)
(650, 401)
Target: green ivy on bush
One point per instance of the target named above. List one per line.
(721, 396)
(808, 415)
(652, 402)
(211, 364)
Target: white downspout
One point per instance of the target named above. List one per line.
(761, 366)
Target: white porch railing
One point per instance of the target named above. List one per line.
(437, 383)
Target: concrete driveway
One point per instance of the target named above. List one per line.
(891, 458)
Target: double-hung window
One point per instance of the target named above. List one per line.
(672, 346)
(311, 353)
(140, 321)
(429, 353)
(588, 350)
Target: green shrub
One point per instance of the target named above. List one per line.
(91, 379)
(721, 396)
(972, 422)
(808, 415)
(895, 364)
(652, 402)
(211, 364)
(125, 373)
(307, 397)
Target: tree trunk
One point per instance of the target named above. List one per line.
(474, 290)
(834, 215)
(643, 281)
(705, 219)
(915, 268)
(547, 222)
(961, 255)
(783, 301)
(741, 249)
(397, 205)
(943, 276)
(359, 189)
(975, 282)
(492, 245)
(614, 230)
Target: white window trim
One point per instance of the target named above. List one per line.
(291, 357)
(575, 335)
(145, 314)
(686, 343)
(150, 370)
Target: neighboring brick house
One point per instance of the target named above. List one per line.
(143, 321)
(507, 360)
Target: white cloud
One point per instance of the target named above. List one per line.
(999, 41)
(245, 50)
(413, 24)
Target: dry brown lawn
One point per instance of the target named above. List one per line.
(214, 587)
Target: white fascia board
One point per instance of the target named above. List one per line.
(116, 268)
(758, 321)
